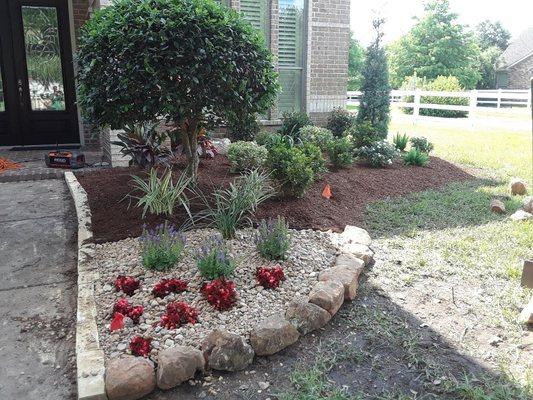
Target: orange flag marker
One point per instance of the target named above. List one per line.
(327, 192)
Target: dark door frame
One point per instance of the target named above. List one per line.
(27, 126)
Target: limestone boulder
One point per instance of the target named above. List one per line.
(328, 295)
(225, 351)
(520, 215)
(497, 206)
(129, 378)
(360, 251)
(178, 364)
(527, 204)
(353, 234)
(518, 187)
(305, 316)
(347, 275)
(272, 335)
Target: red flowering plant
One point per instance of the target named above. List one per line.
(220, 293)
(123, 307)
(140, 346)
(128, 284)
(166, 286)
(270, 278)
(178, 314)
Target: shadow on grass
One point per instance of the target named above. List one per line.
(372, 349)
(458, 204)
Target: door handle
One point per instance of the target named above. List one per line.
(21, 92)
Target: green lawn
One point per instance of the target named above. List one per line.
(457, 266)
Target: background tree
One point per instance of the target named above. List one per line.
(189, 62)
(489, 34)
(375, 101)
(435, 46)
(492, 39)
(356, 58)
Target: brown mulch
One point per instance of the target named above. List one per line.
(352, 189)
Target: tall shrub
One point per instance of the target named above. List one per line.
(191, 62)
(375, 102)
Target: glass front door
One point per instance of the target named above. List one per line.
(37, 99)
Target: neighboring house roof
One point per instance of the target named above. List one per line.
(519, 49)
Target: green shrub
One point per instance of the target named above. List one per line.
(273, 239)
(291, 169)
(316, 135)
(232, 207)
(270, 140)
(190, 62)
(340, 120)
(244, 156)
(315, 157)
(292, 122)
(243, 127)
(340, 152)
(400, 141)
(161, 247)
(378, 154)
(364, 134)
(159, 195)
(213, 260)
(415, 157)
(421, 144)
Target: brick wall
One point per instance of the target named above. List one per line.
(520, 75)
(327, 63)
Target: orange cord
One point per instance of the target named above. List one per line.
(6, 164)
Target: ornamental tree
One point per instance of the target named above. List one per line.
(375, 101)
(188, 62)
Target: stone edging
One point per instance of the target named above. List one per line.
(134, 377)
(89, 356)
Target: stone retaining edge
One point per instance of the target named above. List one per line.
(90, 357)
(90, 362)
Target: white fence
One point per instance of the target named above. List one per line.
(477, 99)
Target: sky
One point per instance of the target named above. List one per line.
(515, 15)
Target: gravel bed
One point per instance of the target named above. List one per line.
(310, 252)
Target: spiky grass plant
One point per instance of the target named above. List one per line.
(159, 194)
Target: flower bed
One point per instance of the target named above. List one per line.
(310, 253)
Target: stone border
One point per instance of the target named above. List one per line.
(134, 377)
(89, 356)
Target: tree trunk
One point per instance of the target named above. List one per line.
(189, 139)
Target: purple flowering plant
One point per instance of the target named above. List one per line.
(213, 260)
(162, 247)
(272, 238)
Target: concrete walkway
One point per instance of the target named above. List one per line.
(37, 291)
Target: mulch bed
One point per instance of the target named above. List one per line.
(114, 218)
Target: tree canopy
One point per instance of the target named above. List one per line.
(356, 58)
(437, 45)
(492, 34)
(187, 61)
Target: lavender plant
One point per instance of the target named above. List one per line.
(161, 247)
(273, 239)
(213, 260)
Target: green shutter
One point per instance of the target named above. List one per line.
(257, 12)
(290, 54)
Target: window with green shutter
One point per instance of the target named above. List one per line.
(257, 12)
(291, 54)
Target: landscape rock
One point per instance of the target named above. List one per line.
(222, 145)
(178, 364)
(353, 234)
(348, 275)
(225, 351)
(305, 316)
(360, 251)
(329, 295)
(129, 378)
(497, 206)
(272, 335)
(518, 186)
(521, 215)
(349, 260)
(526, 316)
(527, 204)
